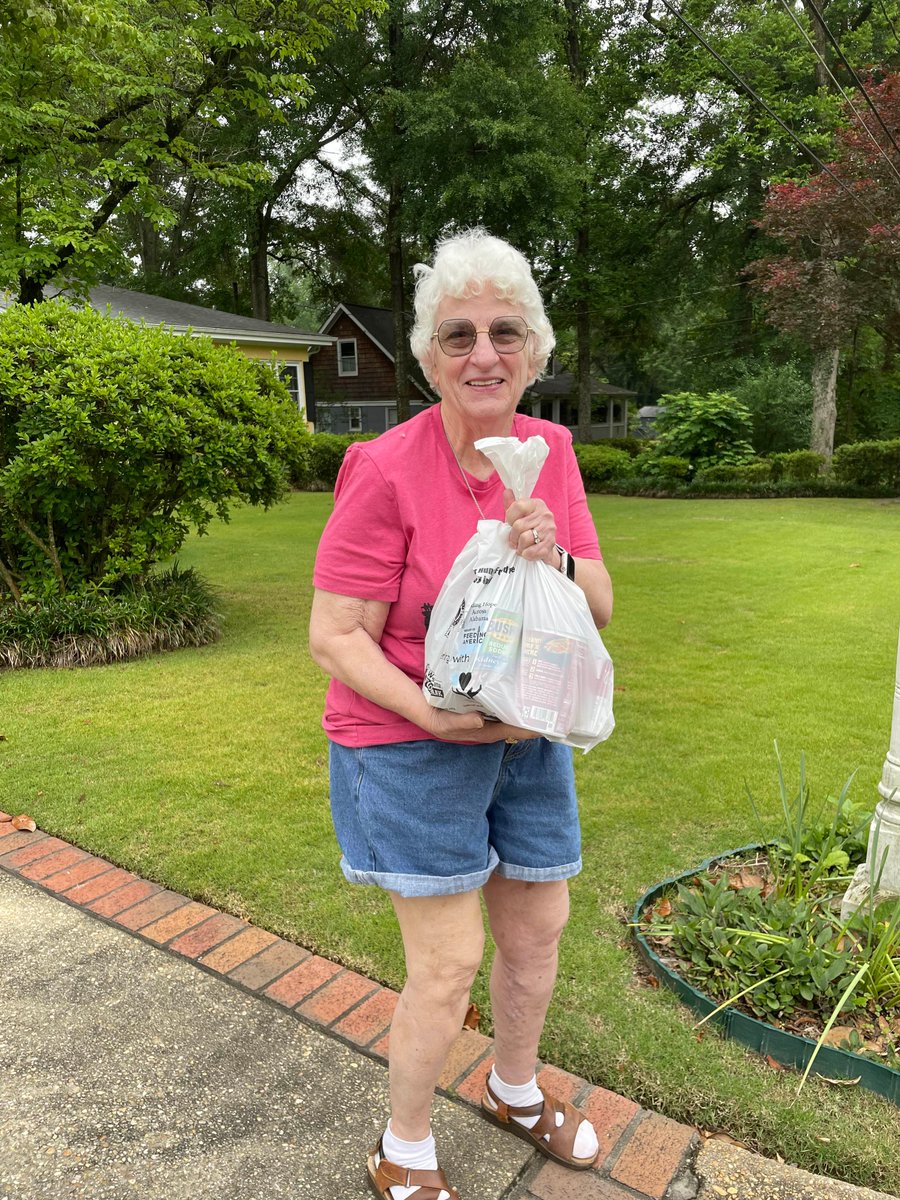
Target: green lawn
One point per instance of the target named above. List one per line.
(736, 623)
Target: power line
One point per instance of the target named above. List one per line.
(759, 100)
(597, 312)
(856, 79)
(878, 146)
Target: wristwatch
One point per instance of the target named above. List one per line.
(566, 563)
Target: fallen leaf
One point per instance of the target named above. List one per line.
(841, 1082)
(473, 1016)
(837, 1035)
(854, 564)
(652, 981)
(716, 1135)
(2, 737)
(773, 1063)
(24, 822)
(745, 879)
(663, 908)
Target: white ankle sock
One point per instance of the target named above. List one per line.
(418, 1156)
(524, 1094)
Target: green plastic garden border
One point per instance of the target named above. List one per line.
(789, 1049)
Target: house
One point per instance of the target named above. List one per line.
(354, 381)
(284, 345)
(556, 399)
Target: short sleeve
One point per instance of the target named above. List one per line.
(363, 548)
(582, 531)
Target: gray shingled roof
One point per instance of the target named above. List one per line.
(157, 310)
(565, 384)
(377, 322)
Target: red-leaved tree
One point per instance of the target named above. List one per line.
(841, 233)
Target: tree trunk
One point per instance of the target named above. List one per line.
(824, 389)
(31, 290)
(823, 46)
(577, 74)
(583, 337)
(393, 229)
(258, 254)
(398, 300)
(151, 248)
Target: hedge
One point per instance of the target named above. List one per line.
(326, 453)
(869, 464)
(600, 464)
(861, 470)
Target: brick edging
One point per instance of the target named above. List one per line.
(642, 1154)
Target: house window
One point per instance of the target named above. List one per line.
(347, 361)
(289, 374)
(391, 416)
(354, 419)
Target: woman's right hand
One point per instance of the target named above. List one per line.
(472, 727)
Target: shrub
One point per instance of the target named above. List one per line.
(168, 610)
(117, 439)
(664, 467)
(326, 453)
(633, 445)
(759, 471)
(869, 464)
(600, 464)
(797, 466)
(704, 429)
(779, 400)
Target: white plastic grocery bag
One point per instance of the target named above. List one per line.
(513, 639)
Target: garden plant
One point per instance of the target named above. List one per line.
(762, 930)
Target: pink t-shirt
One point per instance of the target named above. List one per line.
(402, 513)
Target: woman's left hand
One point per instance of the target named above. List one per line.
(533, 528)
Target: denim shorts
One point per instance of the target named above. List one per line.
(429, 818)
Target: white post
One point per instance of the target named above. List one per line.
(884, 834)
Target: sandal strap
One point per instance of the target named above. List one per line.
(561, 1139)
(430, 1184)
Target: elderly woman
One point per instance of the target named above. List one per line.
(433, 806)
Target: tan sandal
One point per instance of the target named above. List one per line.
(384, 1175)
(559, 1144)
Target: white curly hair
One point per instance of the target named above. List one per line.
(465, 265)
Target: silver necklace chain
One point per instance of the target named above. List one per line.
(464, 477)
(468, 486)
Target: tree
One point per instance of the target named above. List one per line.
(460, 123)
(102, 100)
(842, 241)
(720, 149)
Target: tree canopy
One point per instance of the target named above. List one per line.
(100, 100)
(653, 161)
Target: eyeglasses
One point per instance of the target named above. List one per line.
(457, 337)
